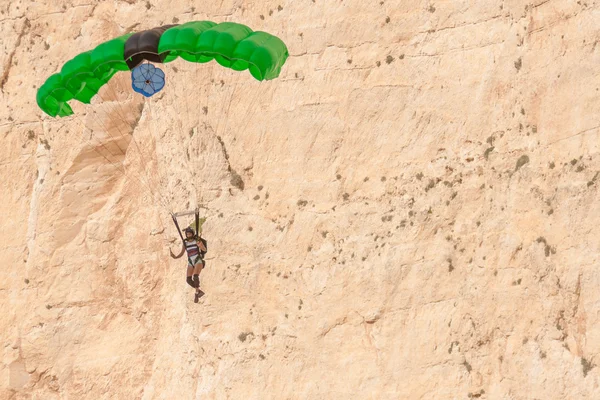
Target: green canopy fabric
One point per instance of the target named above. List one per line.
(232, 45)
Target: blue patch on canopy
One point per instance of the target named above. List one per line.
(147, 79)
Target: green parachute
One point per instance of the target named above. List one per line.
(230, 44)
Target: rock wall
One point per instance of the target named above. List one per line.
(410, 211)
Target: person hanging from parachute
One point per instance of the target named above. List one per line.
(231, 45)
(195, 246)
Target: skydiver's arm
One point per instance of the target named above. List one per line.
(201, 245)
(180, 254)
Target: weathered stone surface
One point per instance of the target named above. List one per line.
(409, 212)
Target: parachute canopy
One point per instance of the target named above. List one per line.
(231, 44)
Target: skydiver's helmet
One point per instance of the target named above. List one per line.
(190, 231)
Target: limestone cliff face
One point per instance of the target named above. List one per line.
(410, 211)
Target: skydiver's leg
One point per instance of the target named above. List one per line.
(189, 280)
(197, 269)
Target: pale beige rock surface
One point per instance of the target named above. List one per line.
(419, 216)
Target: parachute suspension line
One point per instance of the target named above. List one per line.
(118, 110)
(151, 113)
(190, 132)
(109, 104)
(245, 121)
(152, 131)
(202, 114)
(99, 152)
(208, 90)
(180, 120)
(101, 122)
(169, 87)
(116, 164)
(160, 176)
(215, 112)
(185, 130)
(187, 110)
(139, 177)
(135, 175)
(198, 107)
(228, 108)
(220, 118)
(94, 147)
(217, 129)
(107, 130)
(144, 184)
(202, 110)
(251, 107)
(92, 135)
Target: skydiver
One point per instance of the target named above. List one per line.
(195, 246)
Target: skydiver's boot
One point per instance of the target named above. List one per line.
(199, 292)
(190, 282)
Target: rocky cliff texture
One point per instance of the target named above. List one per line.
(409, 212)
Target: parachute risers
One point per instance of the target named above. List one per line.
(197, 225)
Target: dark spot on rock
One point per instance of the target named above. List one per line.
(519, 64)
(586, 366)
(467, 366)
(244, 335)
(430, 185)
(524, 159)
(236, 180)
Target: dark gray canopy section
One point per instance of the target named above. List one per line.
(144, 46)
